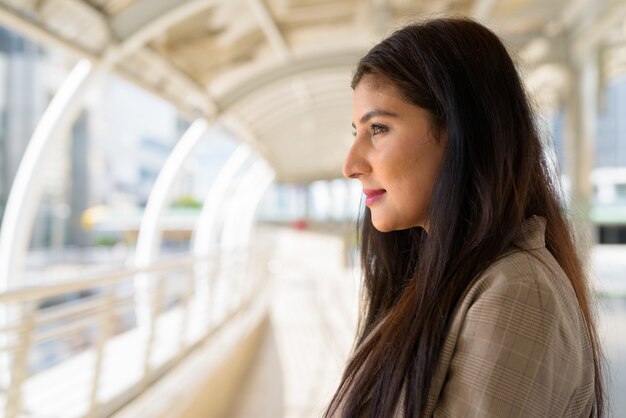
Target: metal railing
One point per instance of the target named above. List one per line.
(92, 320)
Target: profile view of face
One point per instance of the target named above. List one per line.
(395, 155)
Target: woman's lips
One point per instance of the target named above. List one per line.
(373, 195)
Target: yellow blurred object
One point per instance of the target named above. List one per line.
(93, 216)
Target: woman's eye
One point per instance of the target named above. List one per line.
(378, 129)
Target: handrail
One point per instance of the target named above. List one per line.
(173, 298)
(79, 282)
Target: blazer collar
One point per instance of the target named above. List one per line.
(532, 233)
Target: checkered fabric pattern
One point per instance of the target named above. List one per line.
(517, 345)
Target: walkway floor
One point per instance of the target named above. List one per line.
(314, 302)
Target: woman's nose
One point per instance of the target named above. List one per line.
(355, 163)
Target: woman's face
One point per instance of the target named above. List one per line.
(395, 155)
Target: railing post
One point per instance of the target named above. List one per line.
(156, 300)
(240, 276)
(107, 316)
(20, 360)
(215, 280)
(182, 337)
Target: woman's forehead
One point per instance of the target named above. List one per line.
(377, 81)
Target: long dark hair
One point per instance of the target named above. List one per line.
(494, 175)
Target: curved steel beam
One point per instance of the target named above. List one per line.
(270, 29)
(246, 224)
(240, 212)
(246, 191)
(144, 20)
(248, 213)
(204, 234)
(252, 82)
(204, 239)
(149, 238)
(23, 199)
(37, 33)
(25, 193)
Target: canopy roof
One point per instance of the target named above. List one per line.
(277, 71)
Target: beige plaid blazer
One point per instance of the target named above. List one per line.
(517, 345)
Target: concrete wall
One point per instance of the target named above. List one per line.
(206, 383)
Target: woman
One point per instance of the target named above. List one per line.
(475, 303)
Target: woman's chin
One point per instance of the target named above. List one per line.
(382, 226)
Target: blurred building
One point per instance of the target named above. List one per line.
(22, 102)
(611, 146)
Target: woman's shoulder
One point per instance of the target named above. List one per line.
(517, 335)
(530, 287)
(528, 266)
(528, 291)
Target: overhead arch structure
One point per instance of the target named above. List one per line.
(277, 74)
(281, 68)
(208, 57)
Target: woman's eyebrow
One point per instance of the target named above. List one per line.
(375, 112)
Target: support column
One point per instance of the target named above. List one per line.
(581, 132)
